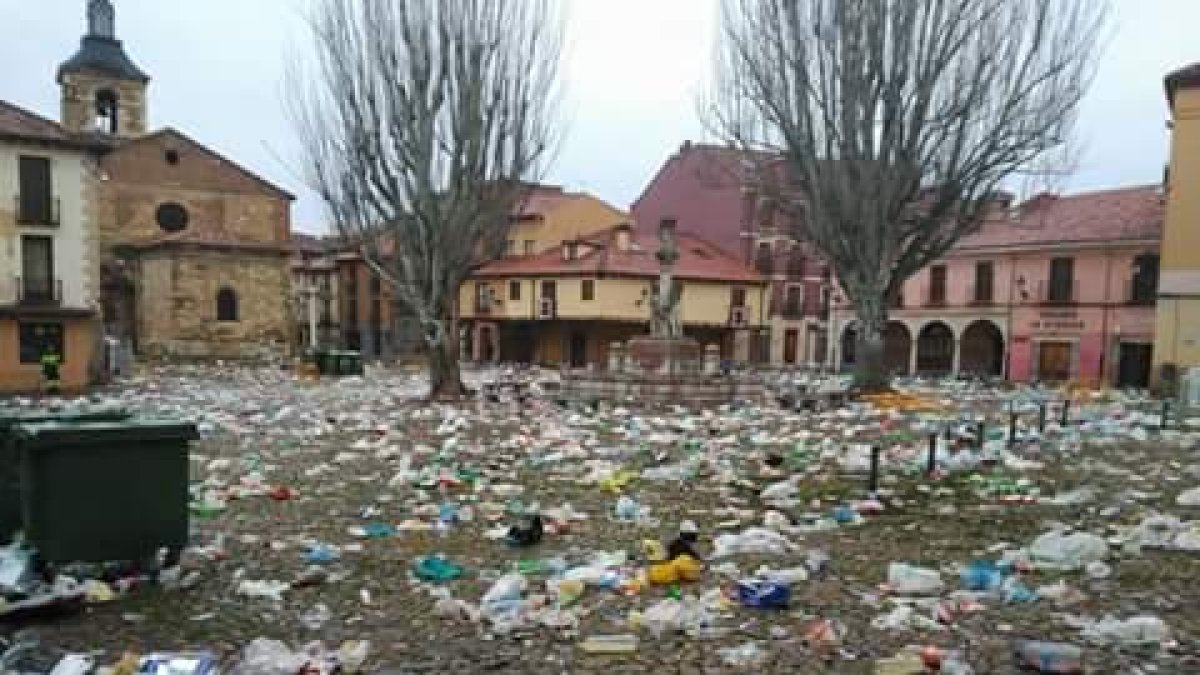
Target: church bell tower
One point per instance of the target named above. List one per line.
(103, 90)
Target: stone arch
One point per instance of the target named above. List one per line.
(897, 347)
(108, 107)
(982, 349)
(935, 349)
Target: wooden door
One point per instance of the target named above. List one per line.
(1054, 361)
(791, 345)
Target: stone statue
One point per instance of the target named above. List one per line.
(664, 309)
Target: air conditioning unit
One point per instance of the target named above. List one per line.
(737, 317)
(546, 308)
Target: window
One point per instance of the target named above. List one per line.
(172, 157)
(36, 201)
(514, 290)
(793, 301)
(1144, 288)
(763, 260)
(107, 112)
(172, 217)
(38, 339)
(528, 247)
(937, 285)
(737, 297)
(1062, 280)
(796, 263)
(587, 290)
(227, 305)
(376, 286)
(37, 269)
(483, 297)
(984, 275)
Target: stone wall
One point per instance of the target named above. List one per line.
(177, 304)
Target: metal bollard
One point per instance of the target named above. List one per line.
(1042, 417)
(931, 462)
(1012, 428)
(1066, 412)
(873, 485)
(1166, 416)
(979, 436)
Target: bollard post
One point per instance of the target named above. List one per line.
(979, 436)
(1012, 428)
(1066, 412)
(1166, 415)
(931, 463)
(873, 486)
(1042, 417)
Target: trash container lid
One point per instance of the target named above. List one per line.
(13, 416)
(59, 432)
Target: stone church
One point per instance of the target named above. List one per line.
(194, 248)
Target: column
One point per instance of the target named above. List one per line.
(957, 357)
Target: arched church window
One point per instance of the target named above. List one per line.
(107, 111)
(227, 305)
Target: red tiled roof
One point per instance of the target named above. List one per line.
(1119, 214)
(17, 122)
(543, 199)
(698, 260)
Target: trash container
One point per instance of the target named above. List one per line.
(96, 491)
(326, 361)
(350, 363)
(10, 478)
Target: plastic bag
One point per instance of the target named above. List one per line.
(1137, 630)
(908, 579)
(1189, 497)
(501, 605)
(269, 657)
(748, 656)
(1068, 551)
(755, 540)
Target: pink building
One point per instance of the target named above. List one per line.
(1058, 288)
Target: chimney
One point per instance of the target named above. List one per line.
(624, 237)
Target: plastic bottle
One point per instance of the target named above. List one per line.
(610, 644)
(1049, 657)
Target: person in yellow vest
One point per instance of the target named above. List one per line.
(51, 370)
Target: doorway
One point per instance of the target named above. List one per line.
(1133, 364)
(1054, 361)
(577, 351)
(791, 345)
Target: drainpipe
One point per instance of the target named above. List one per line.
(1012, 284)
(1104, 315)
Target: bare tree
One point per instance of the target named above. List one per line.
(895, 122)
(423, 124)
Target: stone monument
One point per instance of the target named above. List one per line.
(666, 351)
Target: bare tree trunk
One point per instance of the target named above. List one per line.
(445, 376)
(445, 373)
(870, 373)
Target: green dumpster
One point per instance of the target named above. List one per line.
(350, 363)
(326, 362)
(103, 491)
(10, 478)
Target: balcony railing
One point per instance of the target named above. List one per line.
(47, 213)
(1141, 294)
(484, 305)
(981, 296)
(39, 293)
(935, 299)
(1057, 294)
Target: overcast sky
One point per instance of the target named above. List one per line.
(633, 70)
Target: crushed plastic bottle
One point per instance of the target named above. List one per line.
(1058, 658)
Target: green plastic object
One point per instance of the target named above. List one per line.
(436, 568)
(104, 491)
(10, 475)
(350, 363)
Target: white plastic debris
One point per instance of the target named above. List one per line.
(907, 579)
(1058, 550)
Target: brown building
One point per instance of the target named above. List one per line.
(194, 248)
(710, 191)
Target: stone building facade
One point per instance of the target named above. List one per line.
(194, 249)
